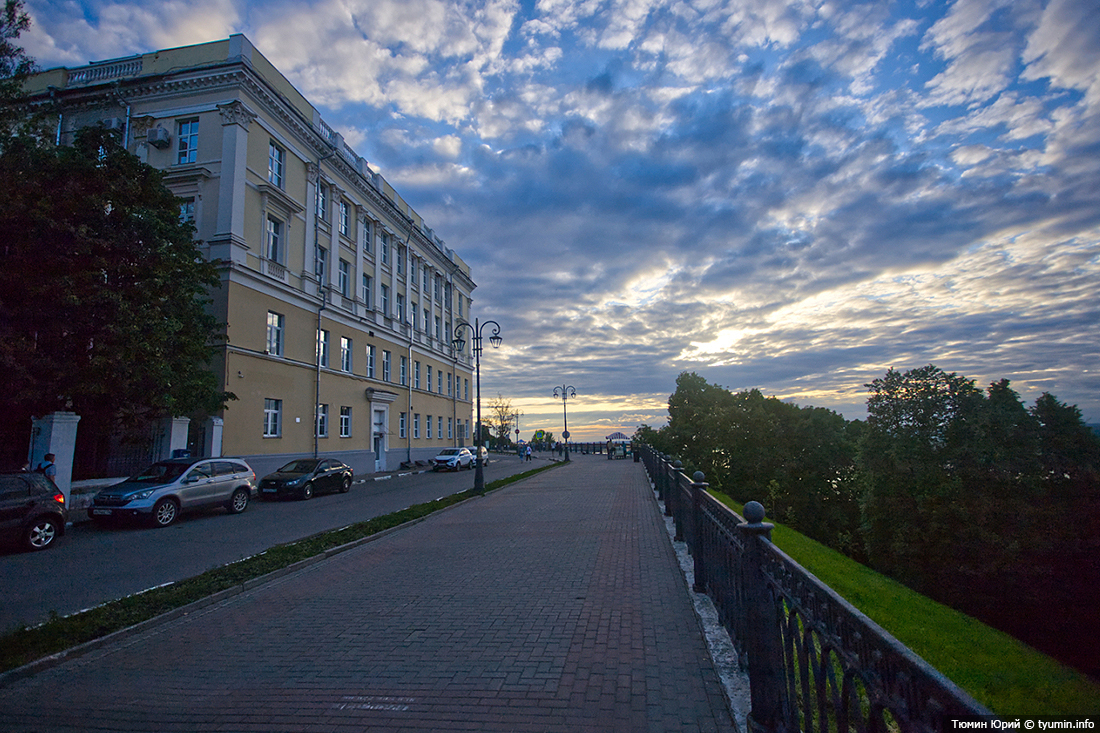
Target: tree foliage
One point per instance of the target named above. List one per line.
(15, 64)
(797, 460)
(103, 293)
(964, 494)
(501, 419)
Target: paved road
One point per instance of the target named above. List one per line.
(554, 605)
(92, 565)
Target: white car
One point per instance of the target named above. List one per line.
(453, 459)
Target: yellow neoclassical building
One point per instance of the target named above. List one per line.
(340, 302)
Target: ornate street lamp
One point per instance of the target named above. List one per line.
(565, 392)
(460, 345)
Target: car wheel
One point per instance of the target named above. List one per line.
(239, 501)
(346, 486)
(165, 512)
(307, 492)
(41, 534)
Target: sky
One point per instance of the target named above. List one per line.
(793, 196)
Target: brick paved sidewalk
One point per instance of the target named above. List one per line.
(555, 604)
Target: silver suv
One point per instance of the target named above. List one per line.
(167, 488)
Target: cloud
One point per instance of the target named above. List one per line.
(68, 33)
(793, 196)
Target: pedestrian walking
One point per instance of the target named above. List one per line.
(528, 453)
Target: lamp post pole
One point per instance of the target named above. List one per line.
(565, 392)
(460, 344)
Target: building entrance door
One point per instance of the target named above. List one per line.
(379, 441)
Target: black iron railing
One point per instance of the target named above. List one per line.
(814, 662)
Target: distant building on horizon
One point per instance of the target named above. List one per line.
(340, 302)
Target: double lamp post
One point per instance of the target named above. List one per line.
(564, 392)
(460, 344)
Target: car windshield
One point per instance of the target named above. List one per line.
(449, 452)
(160, 473)
(303, 466)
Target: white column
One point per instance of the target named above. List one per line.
(171, 435)
(213, 443)
(236, 118)
(55, 433)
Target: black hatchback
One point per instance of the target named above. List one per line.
(305, 477)
(32, 510)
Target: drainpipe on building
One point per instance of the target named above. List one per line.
(317, 386)
(408, 415)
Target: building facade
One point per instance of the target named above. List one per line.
(340, 302)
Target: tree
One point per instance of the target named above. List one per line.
(501, 419)
(15, 65)
(103, 294)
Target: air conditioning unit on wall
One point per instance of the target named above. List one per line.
(158, 137)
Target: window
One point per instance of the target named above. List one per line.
(427, 319)
(400, 260)
(427, 280)
(412, 314)
(438, 328)
(404, 371)
(416, 425)
(276, 324)
(322, 202)
(366, 236)
(343, 278)
(438, 281)
(322, 421)
(440, 431)
(275, 250)
(450, 390)
(466, 389)
(345, 219)
(187, 210)
(402, 428)
(322, 347)
(428, 428)
(384, 245)
(412, 270)
(461, 299)
(385, 366)
(416, 375)
(440, 379)
(400, 308)
(385, 300)
(367, 281)
(428, 386)
(370, 361)
(345, 353)
(187, 136)
(450, 428)
(273, 418)
(345, 422)
(320, 264)
(276, 164)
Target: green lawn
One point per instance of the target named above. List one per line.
(1002, 673)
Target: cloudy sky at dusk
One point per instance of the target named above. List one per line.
(792, 196)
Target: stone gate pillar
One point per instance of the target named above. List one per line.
(171, 436)
(55, 433)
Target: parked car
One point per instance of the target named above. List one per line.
(453, 459)
(305, 477)
(167, 488)
(32, 510)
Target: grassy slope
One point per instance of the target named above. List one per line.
(1002, 673)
